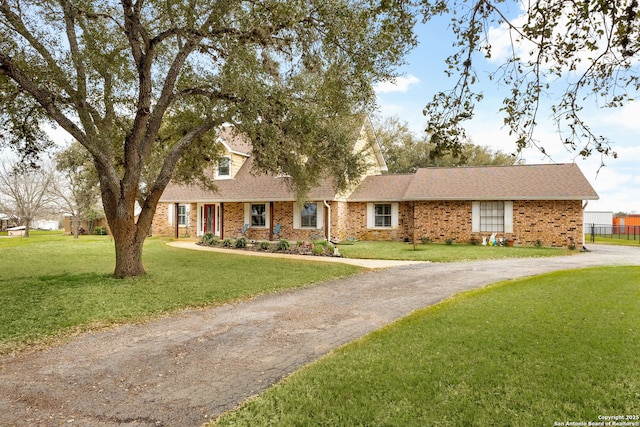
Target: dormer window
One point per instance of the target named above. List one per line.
(224, 168)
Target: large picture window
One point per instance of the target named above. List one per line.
(492, 217)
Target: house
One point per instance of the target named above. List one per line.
(529, 203)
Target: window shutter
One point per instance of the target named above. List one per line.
(296, 215)
(187, 217)
(247, 213)
(320, 213)
(394, 215)
(508, 217)
(370, 215)
(171, 214)
(475, 217)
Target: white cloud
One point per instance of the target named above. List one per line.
(625, 117)
(401, 84)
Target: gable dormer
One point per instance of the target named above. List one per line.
(237, 149)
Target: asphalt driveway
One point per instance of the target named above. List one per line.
(185, 369)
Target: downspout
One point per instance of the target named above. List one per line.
(328, 220)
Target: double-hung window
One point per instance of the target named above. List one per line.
(382, 215)
(309, 215)
(224, 168)
(182, 215)
(258, 215)
(179, 213)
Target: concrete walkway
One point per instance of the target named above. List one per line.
(368, 263)
(186, 369)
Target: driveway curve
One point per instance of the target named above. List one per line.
(185, 369)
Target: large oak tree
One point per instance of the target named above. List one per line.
(143, 85)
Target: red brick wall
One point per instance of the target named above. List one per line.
(442, 220)
(554, 222)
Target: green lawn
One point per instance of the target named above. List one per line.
(623, 241)
(562, 347)
(52, 285)
(440, 252)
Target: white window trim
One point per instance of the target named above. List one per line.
(371, 216)
(508, 217)
(247, 214)
(218, 176)
(171, 214)
(297, 216)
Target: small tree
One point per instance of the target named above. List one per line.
(77, 186)
(25, 192)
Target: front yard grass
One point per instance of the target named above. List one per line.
(562, 347)
(440, 252)
(52, 285)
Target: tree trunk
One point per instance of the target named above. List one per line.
(76, 226)
(128, 254)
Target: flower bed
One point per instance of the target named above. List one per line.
(317, 248)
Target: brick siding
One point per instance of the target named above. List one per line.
(551, 222)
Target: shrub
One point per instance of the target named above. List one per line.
(283, 245)
(264, 245)
(209, 239)
(100, 231)
(538, 244)
(425, 239)
(475, 241)
(241, 243)
(227, 243)
(449, 241)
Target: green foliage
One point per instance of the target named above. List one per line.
(264, 245)
(449, 241)
(283, 245)
(209, 239)
(531, 361)
(241, 243)
(227, 243)
(538, 243)
(405, 152)
(100, 231)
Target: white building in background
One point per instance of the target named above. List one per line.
(45, 224)
(601, 219)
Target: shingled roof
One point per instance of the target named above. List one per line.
(245, 187)
(518, 182)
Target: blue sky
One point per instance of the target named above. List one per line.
(617, 183)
